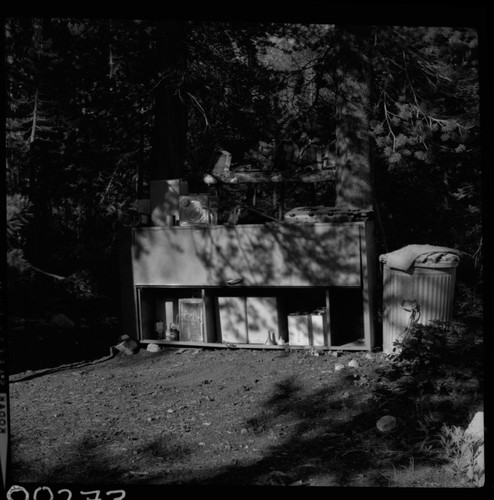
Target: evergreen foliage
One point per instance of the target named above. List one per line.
(80, 120)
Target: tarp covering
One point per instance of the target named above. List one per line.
(404, 258)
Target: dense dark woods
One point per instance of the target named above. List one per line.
(170, 130)
(96, 108)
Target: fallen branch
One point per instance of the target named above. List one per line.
(56, 276)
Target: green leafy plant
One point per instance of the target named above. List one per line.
(431, 346)
(463, 452)
(427, 359)
(18, 216)
(80, 285)
(436, 368)
(421, 349)
(17, 261)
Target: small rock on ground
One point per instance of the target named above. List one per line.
(386, 423)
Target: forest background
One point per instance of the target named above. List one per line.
(96, 108)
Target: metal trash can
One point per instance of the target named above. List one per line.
(418, 287)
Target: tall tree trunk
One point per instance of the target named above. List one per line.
(353, 169)
(170, 128)
(38, 251)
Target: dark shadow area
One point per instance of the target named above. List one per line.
(346, 313)
(38, 344)
(335, 432)
(92, 460)
(318, 443)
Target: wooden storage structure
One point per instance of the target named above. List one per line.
(280, 268)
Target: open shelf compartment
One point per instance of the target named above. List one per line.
(323, 317)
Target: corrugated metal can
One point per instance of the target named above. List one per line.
(422, 294)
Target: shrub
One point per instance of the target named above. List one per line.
(18, 217)
(428, 347)
(436, 368)
(421, 349)
(464, 453)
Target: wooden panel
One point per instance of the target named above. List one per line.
(259, 255)
(248, 319)
(177, 256)
(288, 255)
(262, 317)
(368, 282)
(233, 320)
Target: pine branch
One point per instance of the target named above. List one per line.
(386, 115)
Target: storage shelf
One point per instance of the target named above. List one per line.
(287, 270)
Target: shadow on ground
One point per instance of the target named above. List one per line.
(36, 345)
(327, 437)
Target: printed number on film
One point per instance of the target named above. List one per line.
(45, 493)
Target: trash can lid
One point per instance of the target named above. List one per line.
(430, 255)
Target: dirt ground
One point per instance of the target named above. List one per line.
(189, 416)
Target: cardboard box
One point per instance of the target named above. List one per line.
(307, 329)
(298, 329)
(318, 329)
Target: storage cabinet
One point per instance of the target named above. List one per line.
(259, 255)
(240, 282)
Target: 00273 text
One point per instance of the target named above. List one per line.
(16, 492)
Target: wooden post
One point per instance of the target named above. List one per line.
(368, 281)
